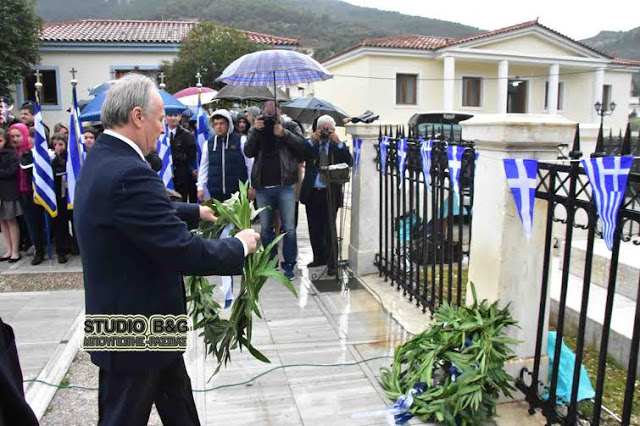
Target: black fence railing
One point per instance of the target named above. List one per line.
(425, 234)
(566, 187)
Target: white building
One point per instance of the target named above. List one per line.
(525, 68)
(101, 50)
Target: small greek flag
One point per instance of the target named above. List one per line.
(521, 176)
(402, 159)
(608, 177)
(202, 130)
(44, 192)
(227, 281)
(426, 147)
(76, 151)
(164, 151)
(454, 155)
(384, 148)
(357, 147)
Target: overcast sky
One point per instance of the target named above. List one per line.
(576, 19)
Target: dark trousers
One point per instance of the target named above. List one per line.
(185, 185)
(126, 399)
(319, 225)
(34, 216)
(61, 234)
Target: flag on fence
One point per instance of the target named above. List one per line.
(202, 130)
(75, 151)
(384, 147)
(521, 176)
(608, 177)
(164, 151)
(402, 159)
(454, 155)
(44, 192)
(426, 148)
(357, 147)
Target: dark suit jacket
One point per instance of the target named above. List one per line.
(183, 154)
(312, 159)
(134, 247)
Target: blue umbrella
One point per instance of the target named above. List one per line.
(102, 87)
(91, 112)
(274, 67)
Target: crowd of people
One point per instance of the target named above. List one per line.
(257, 145)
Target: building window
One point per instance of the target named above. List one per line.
(560, 105)
(49, 80)
(406, 88)
(606, 96)
(471, 91)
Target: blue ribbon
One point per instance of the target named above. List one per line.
(402, 159)
(384, 146)
(227, 281)
(404, 403)
(357, 147)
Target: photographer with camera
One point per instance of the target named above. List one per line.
(276, 147)
(323, 149)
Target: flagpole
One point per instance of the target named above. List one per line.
(46, 214)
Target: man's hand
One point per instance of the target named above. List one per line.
(259, 123)
(251, 194)
(333, 137)
(200, 195)
(315, 137)
(206, 214)
(250, 238)
(278, 130)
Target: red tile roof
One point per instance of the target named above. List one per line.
(128, 31)
(627, 62)
(422, 42)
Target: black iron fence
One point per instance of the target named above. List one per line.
(566, 187)
(425, 233)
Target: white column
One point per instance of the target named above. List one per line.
(552, 94)
(503, 86)
(598, 82)
(449, 82)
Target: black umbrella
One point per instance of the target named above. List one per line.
(306, 110)
(250, 93)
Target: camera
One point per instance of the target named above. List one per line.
(269, 120)
(324, 135)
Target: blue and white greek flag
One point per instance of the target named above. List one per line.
(454, 155)
(521, 176)
(227, 281)
(384, 149)
(426, 147)
(357, 147)
(75, 151)
(608, 177)
(164, 152)
(44, 190)
(402, 159)
(202, 130)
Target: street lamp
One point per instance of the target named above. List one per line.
(602, 110)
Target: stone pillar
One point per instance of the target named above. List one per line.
(449, 83)
(365, 202)
(503, 264)
(598, 82)
(503, 86)
(552, 93)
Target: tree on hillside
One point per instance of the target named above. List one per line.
(208, 48)
(20, 29)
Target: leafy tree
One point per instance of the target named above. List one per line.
(20, 29)
(208, 48)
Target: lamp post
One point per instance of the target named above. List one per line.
(602, 110)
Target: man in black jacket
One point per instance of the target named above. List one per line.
(183, 154)
(277, 147)
(135, 251)
(324, 149)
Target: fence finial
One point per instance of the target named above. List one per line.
(575, 149)
(599, 143)
(451, 137)
(626, 142)
(380, 131)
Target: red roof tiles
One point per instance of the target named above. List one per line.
(127, 31)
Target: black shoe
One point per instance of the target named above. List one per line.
(37, 259)
(12, 260)
(75, 251)
(62, 258)
(4, 259)
(331, 271)
(316, 263)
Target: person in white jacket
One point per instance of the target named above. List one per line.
(223, 164)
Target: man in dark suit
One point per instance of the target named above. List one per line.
(324, 149)
(135, 250)
(183, 154)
